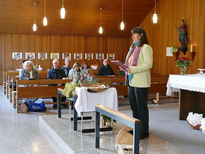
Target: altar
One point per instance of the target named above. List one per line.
(191, 90)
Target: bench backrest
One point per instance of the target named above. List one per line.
(39, 88)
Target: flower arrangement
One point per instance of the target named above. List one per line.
(183, 63)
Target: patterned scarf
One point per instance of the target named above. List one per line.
(131, 59)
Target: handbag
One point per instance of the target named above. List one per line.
(37, 106)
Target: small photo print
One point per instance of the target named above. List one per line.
(54, 56)
(99, 56)
(169, 51)
(16, 55)
(65, 55)
(30, 55)
(88, 56)
(78, 56)
(42, 55)
(110, 56)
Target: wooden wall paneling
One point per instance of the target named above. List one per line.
(92, 46)
(67, 47)
(46, 63)
(79, 47)
(8, 51)
(2, 59)
(164, 34)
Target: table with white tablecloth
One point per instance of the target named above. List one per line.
(86, 100)
(191, 90)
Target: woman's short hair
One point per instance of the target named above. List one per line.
(141, 31)
(27, 63)
(76, 64)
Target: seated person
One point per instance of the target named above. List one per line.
(76, 74)
(85, 67)
(105, 69)
(56, 73)
(66, 68)
(28, 72)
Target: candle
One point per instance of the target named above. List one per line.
(191, 48)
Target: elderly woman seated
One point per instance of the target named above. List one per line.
(28, 72)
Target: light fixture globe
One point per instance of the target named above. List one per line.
(45, 21)
(62, 13)
(100, 30)
(122, 25)
(34, 27)
(154, 18)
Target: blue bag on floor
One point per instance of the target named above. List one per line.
(36, 106)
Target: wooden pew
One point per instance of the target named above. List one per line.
(37, 89)
(158, 85)
(119, 117)
(4, 82)
(9, 77)
(42, 75)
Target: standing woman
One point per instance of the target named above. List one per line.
(139, 61)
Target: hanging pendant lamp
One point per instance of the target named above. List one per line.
(62, 11)
(100, 30)
(154, 17)
(45, 20)
(122, 24)
(34, 14)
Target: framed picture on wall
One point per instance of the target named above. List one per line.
(16, 55)
(54, 56)
(99, 56)
(78, 56)
(110, 56)
(42, 55)
(65, 55)
(88, 56)
(30, 55)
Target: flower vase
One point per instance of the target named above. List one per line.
(182, 70)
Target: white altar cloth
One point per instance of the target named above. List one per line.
(191, 82)
(86, 101)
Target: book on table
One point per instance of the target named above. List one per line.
(121, 65)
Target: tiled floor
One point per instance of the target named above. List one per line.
(20, 134)
(84, 143)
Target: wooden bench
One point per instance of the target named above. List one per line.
(119, 117)
(158, 87)
(37, 89)
(12, 93)
(7, 76)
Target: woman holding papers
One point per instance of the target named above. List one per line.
(139, 61)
